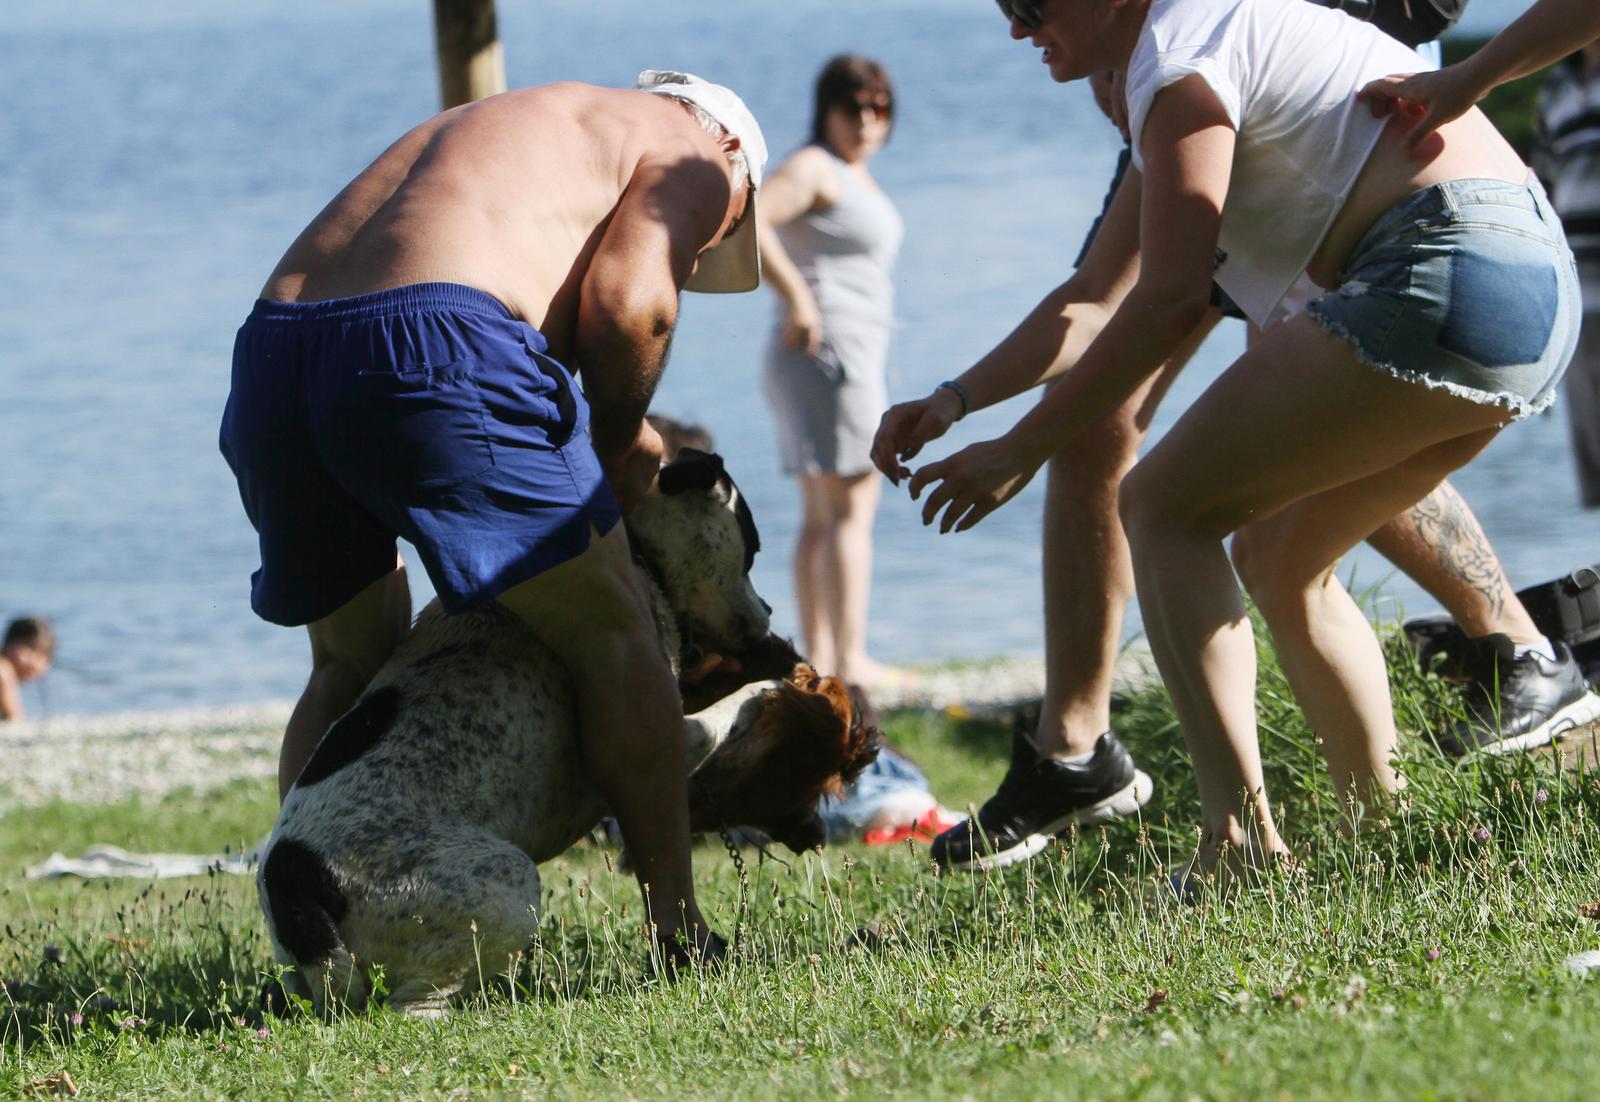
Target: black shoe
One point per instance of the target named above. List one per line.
(1519, 703)
(1040, 797)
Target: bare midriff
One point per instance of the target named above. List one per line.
(1466, 148)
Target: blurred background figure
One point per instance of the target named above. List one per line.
(26, 652)
(829, 238)
(1567, 157)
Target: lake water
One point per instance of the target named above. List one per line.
(155, 160)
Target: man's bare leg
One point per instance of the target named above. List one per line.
(1088, 573)
(346, 650)
(1439, 544)
(594, 613)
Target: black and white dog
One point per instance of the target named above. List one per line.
(410, 839)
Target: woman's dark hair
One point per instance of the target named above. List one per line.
(840, 82)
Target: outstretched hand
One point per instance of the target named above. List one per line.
(905, 428)
(1426, 101)
(972, 483)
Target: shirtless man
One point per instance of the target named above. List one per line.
(406, 373)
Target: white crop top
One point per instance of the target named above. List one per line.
(1287, 73)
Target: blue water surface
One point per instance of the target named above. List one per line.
(156, 159)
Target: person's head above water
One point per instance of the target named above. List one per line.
(30, 644)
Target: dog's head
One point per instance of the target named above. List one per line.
(696, 533)
(790, 744)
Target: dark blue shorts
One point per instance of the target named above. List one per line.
(425, 412)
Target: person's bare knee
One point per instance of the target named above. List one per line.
(361, 635)
(1264, 555)
(1094, 461)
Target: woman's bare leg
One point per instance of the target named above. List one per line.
(852, 573)
(810, 570)
(1296, 416)
(1324, 640)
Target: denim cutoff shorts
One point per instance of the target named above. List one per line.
(1468, 287)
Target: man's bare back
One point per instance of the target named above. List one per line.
(491, 195)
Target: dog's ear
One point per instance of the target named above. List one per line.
(691, 470)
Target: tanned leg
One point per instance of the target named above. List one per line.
(1259, 440)
(346, 650)
(1439, 544)
(594, 613)
(1088, 574)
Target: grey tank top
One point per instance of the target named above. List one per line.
(846, 253)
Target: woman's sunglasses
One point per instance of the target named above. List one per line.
(1025, 12)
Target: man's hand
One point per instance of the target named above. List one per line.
(631, 470)
(1425, 101)
(905, 428)
(972, 483)
(708, 665)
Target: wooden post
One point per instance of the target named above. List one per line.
(471, 62)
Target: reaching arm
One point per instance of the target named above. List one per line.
(1048, 341)
(803, 183)
(628, 306)
(1188, 147)
(1543, 34)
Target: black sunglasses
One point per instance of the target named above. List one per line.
(1025, 12)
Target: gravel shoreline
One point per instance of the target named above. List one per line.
(101, 758)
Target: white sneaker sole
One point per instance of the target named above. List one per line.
(1119, 805)
(1580, 713)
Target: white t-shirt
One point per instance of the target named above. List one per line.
(1287, 73)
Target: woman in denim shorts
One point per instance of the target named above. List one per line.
(1444, 306)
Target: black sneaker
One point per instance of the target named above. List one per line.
(1519, 703)
(1040, 797)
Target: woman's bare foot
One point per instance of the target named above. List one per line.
(873, 676)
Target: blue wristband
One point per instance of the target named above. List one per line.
(960, 392)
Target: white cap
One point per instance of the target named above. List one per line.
(735, 263)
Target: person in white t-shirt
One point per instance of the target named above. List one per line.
(1256, 164)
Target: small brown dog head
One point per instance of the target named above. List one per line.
(795, 742)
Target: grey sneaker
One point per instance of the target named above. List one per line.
(1039, 798)
(1518, 703)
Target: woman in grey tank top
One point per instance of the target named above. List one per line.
(829, 238)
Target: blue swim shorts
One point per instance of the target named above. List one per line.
(1468, 287)
(426, 412)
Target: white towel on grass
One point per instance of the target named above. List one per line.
(100, 862)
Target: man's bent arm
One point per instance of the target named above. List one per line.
(628, 304)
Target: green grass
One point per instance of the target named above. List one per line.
(1421, 961)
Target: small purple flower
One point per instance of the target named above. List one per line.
(261, 1034)
(1541, 797)
(223, 1047)
(76, 1019)
(129, 1023)
(52, 953)
(1434, 954)
(1482, 834)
